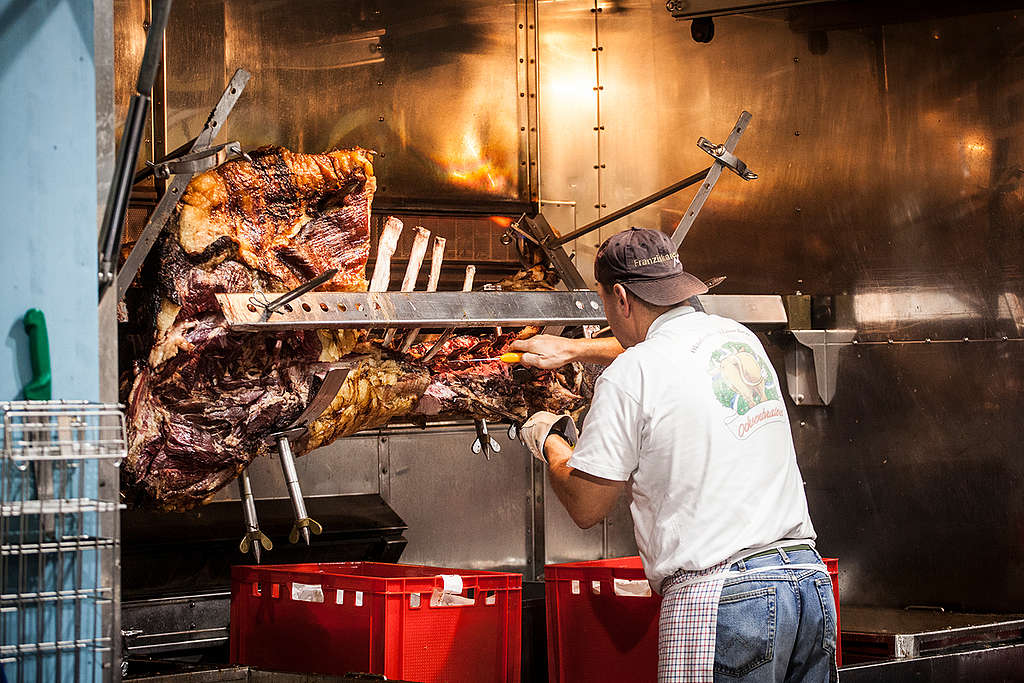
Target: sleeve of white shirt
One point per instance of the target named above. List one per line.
(609, 446)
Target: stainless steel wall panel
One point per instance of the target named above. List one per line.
(433, 88)
(346, 466)
(888, 161)
(563, 540)
(913, 474)
(462, 509)
(569, 116)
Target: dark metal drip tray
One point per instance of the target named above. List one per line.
(876, 634)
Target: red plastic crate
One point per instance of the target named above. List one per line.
(371, 617)
(607, 636)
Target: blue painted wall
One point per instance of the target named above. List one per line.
(48, 191)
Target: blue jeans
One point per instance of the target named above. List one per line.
(777, 626)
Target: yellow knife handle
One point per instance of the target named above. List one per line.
(511, 357)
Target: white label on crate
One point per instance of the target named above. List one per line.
(339, 598)
(638, 588)
(491, 598)
(451, 583)
(307, 592)
(359, 598)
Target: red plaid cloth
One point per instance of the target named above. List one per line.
(689, 620)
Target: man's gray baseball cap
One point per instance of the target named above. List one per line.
(647, 264)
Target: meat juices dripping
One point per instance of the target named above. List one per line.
(204, 398)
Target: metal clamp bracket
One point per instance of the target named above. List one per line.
(727, 159)
(197, 162)
(484, 443)
(812, 365)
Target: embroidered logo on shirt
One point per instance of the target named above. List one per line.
(744, 383)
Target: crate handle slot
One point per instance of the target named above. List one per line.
(306, 592)
(632, 588)
(448, 592)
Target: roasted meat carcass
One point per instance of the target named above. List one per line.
(204, 399)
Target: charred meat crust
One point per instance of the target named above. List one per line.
(205, 400)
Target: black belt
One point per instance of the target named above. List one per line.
(788, 549)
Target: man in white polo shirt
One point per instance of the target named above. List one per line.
(689, 418)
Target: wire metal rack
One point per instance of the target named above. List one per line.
(59, 538)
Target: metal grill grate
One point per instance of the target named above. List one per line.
(59, 536)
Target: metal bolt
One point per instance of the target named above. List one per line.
(802, 423)
(380, 118)
(383, 439)
(966, 339)
(889, 341)
(796, 60)
(796, 133)
(927, 340)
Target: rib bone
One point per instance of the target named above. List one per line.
(385, 250)
(436, 258)
(412, 271)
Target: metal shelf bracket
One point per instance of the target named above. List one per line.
(812, 365)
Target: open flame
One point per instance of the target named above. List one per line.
(501, 221)
(470, 166)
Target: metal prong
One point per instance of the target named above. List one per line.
(303, 527)
(254, 538)
(484, 443)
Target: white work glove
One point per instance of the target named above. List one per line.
(541, 425)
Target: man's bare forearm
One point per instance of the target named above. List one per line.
(602, 350)
(551, 352)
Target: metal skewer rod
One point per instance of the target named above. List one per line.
(302, 519)
(635, 206)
